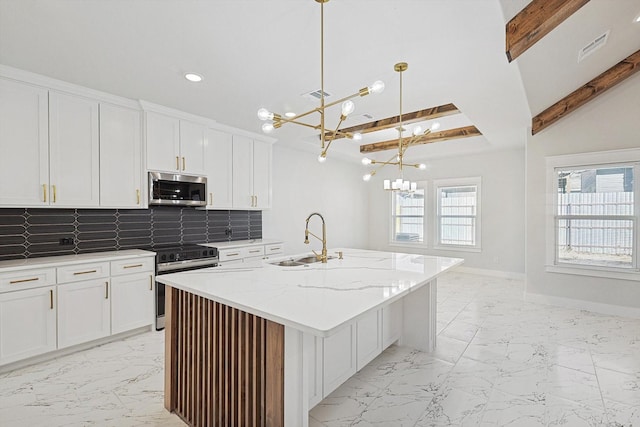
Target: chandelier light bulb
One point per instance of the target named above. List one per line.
(422, 166)
(435, 126)
(366, 177)
(357, 136)
(366, 161)
(322, 157)
(267, 127)
(376, 87)
(264, 114)
(348, 107)
(417, 130)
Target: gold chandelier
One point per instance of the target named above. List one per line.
(275, 121)
(400, 184)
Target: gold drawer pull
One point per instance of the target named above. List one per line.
(254, 252)
(138, 196)
(184, 164)
(77, 273)
(274, 249)
(54, 193)
(235, 254)
(13, 282)
(106, 290)
(177, 162)
(44, 192)
(132, 266)
(150, 283)
(51, 299)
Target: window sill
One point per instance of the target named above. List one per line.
(416, 245)
(458, 248)
(594, 272)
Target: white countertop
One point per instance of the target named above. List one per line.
(241, 243)
(318, 298)
(60, 260)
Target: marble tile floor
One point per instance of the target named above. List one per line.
(500, 361)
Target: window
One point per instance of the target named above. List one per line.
(595, 218)
(458, 213)
(407, 217)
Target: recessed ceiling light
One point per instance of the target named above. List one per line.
(290, 114)
(637, 19)
(193, 77)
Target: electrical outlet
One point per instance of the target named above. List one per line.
(66, 241)
(228, 231)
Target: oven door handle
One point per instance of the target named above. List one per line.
(167, 267)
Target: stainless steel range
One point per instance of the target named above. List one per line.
(174, 259)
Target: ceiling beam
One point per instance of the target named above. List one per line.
(391, 122)
(614, 75)
(445, 135)
(536, 21)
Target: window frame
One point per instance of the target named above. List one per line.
(595, 160)
(422, 185)
(457, 182)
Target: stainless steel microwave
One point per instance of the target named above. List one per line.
(177, 189)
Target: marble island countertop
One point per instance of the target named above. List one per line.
(315, 298)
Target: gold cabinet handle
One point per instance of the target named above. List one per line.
(211, 199)
(255, 251)
(184, 164)
(51, 299)
(150, 283)
(274, 249)
(77, 273)
(44, 192)
(256, 202)
(13, 282)
(138, 196)
(177, 162)
(132, 266)
(106, 290)
(235, 254)
(54, 193)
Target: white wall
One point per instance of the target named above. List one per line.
(609, 122)
(502, 208)
(301, 186)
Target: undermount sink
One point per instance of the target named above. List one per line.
(298, 261)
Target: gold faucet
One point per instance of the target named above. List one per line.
(323, 256)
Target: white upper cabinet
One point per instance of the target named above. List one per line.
(251, 173)
(120, 157)
(73, 151)
(218, 164)
(24, 145)
(192, 147)
(175, 145)
(163, 142)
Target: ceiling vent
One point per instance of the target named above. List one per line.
(594, 45)
(315, 95)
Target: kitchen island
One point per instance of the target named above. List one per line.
(261, 343)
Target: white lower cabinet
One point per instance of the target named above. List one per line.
(334, 359)
(84, 312)
(338, 358)
(368, 338)
(27, 323)
(131, 301)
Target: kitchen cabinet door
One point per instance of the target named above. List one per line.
(131, 302)
(24, 144)
(218, 164)
(84, 311)
(163, 142)
(120, 157)
(368, 338)
(338, 358)
(192, 147)
(27, 323)
(243, 197)
(262, 174)
(391, 323)
(73, 151)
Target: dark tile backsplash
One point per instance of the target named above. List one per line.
(26, 233)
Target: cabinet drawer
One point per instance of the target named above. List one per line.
(253, 252)
(130, 266)
(275, 249)
(230, 255)
(76, 273)
(27, 279)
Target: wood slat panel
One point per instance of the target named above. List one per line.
(224, 367)
(445, 135)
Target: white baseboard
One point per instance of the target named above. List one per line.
(491, 273)
(596, 307)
